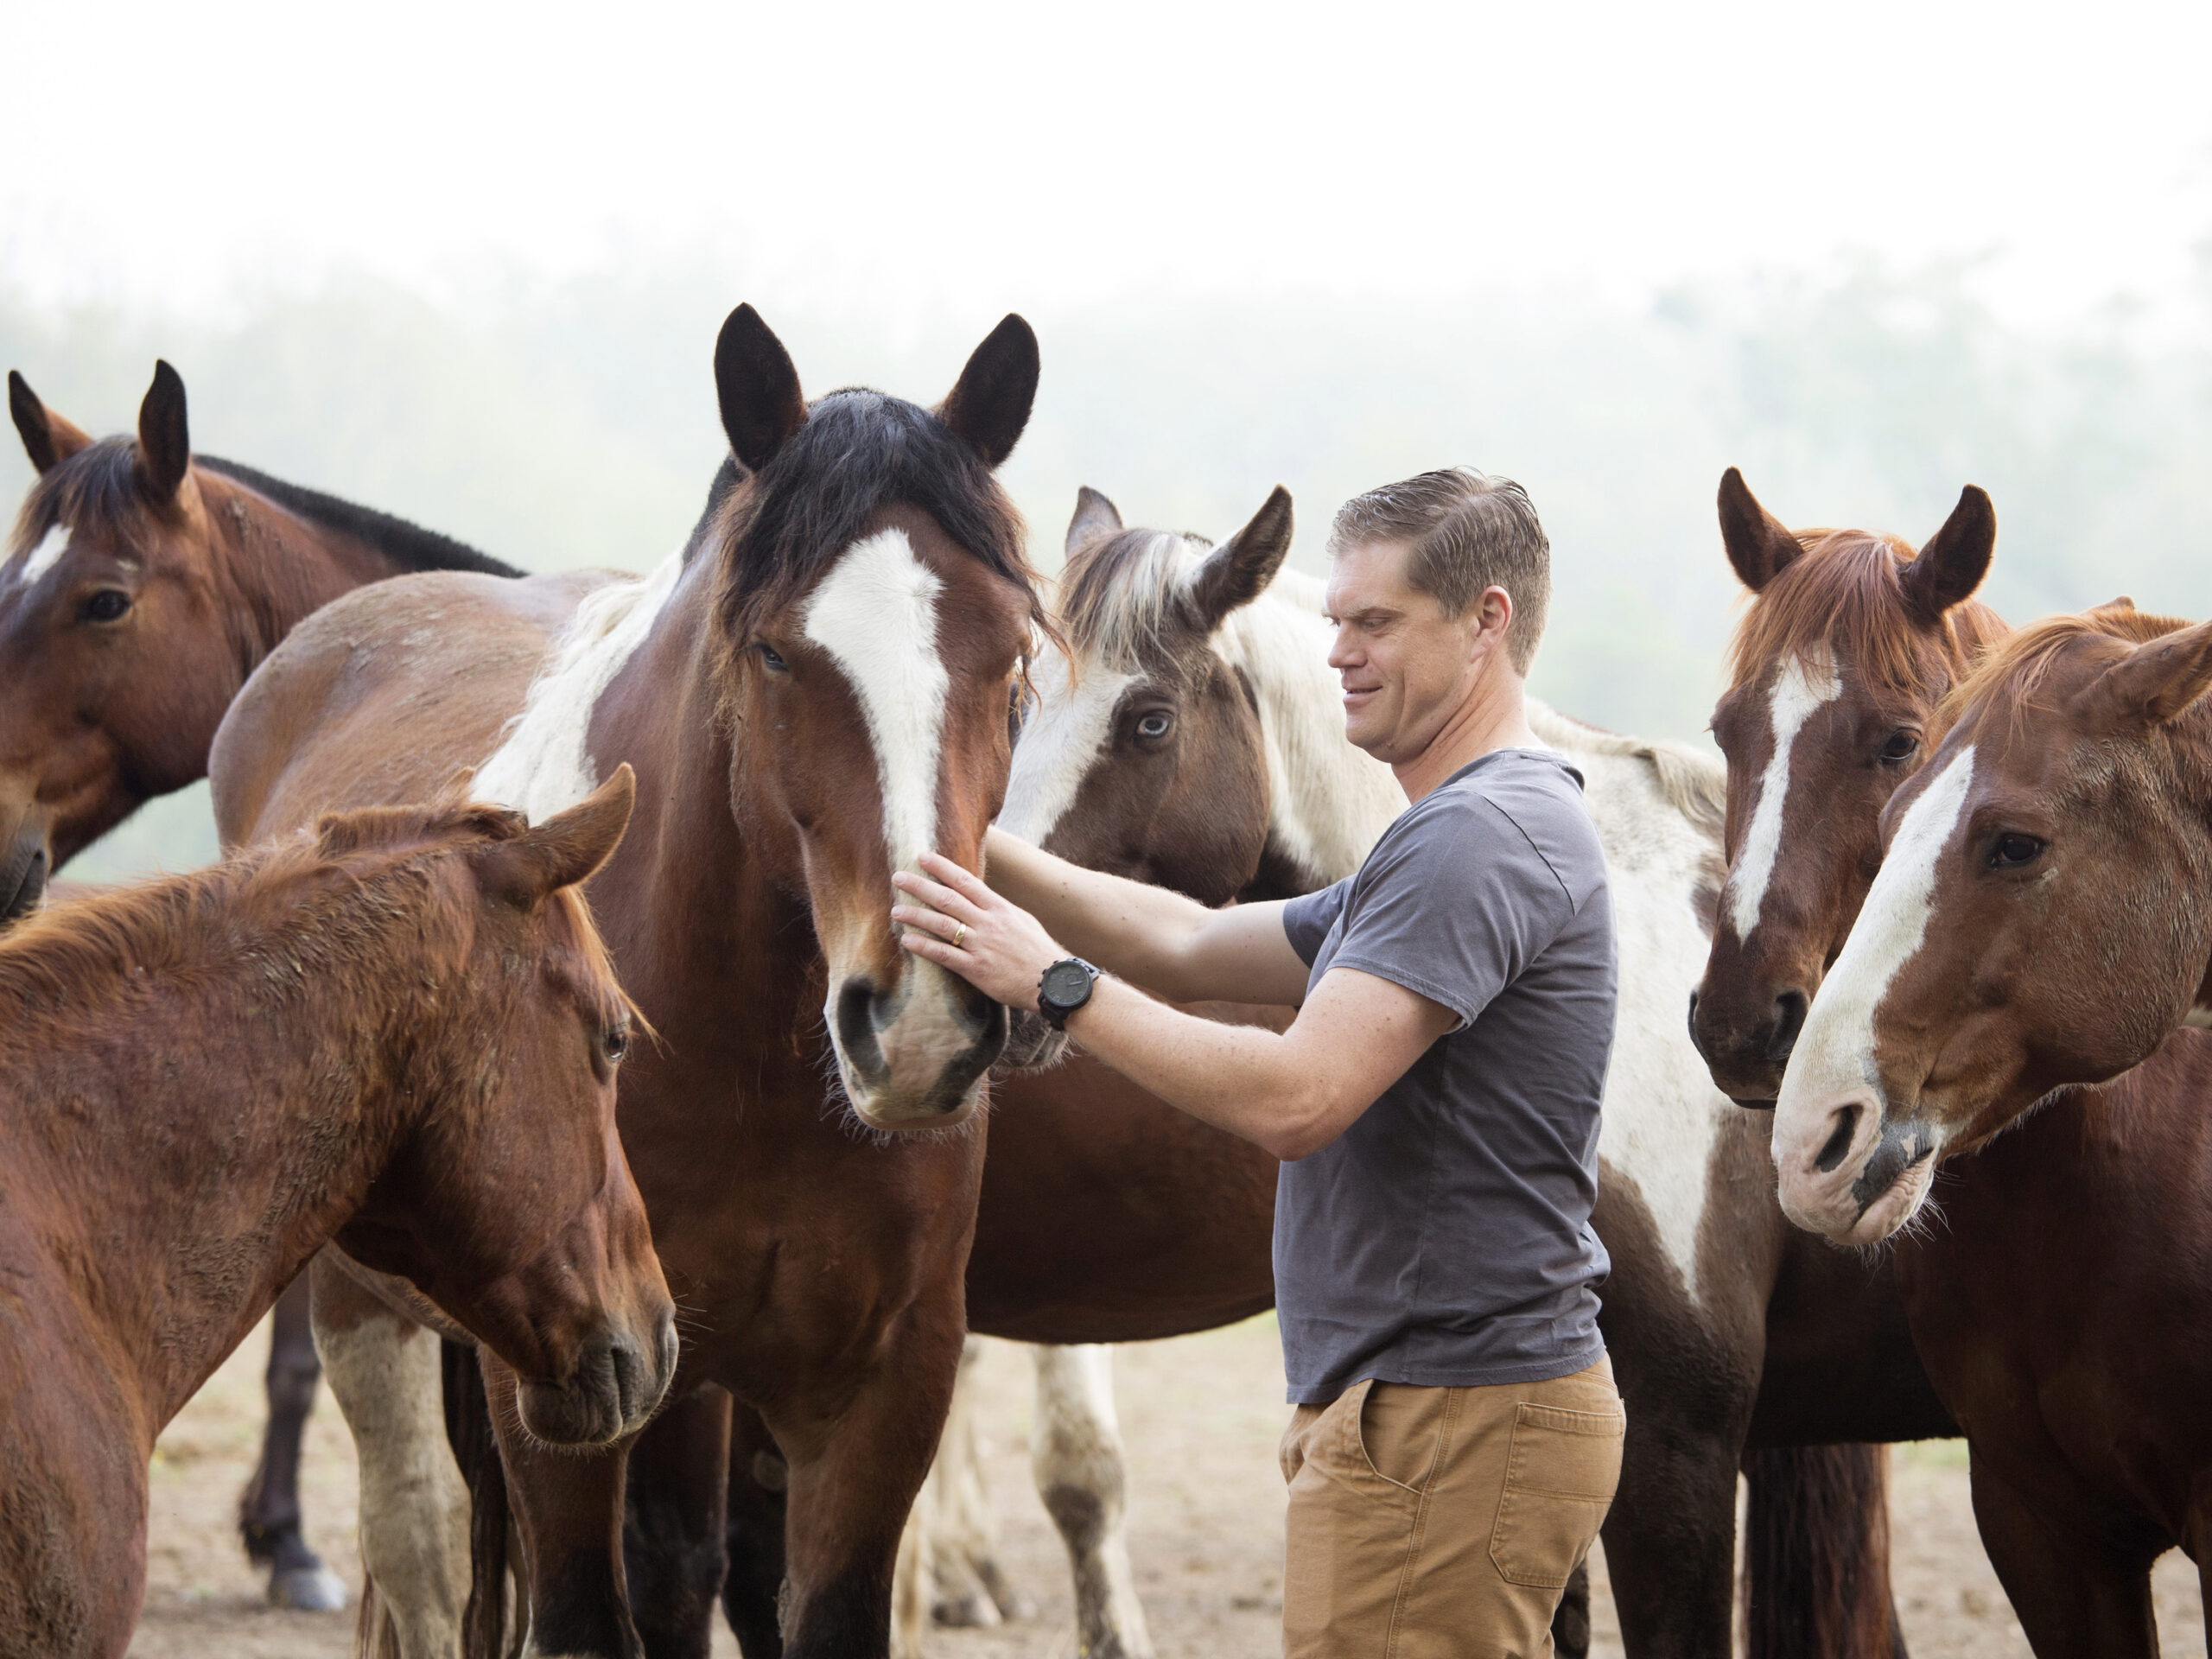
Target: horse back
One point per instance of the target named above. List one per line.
(387, 695)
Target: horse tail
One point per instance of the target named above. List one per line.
(1816, 1555)
(476, 1450)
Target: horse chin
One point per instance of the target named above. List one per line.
(615, 1387)
(22, 878)
(1031, 1045)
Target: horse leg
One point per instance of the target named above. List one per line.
(2074, 1594)
(970, 1588)
(675, 1542)
(567, 1503)
(1816, 1555)
(753, 1587)
(1670, 1537)
(1075, 1453)
(269, 1509)
(854, 1472)
(386, 1374)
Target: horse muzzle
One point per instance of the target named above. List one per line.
(23, 872)
(914, 1057)
(617, 1383)
(1845, 1170)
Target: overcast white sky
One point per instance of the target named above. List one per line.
(974, 156)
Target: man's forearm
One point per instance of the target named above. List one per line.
(1143, 933)
(1236, 1077)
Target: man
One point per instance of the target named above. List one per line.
(1458, 1434)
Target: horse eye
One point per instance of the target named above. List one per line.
(774, 660)
(107, 606)
(1154, 726)
(2010, 852)
(1902, 746)
(616, 1043)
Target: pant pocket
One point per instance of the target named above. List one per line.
(1560, 1478)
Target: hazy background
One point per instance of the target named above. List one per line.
(467, 266)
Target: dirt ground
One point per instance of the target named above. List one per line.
(1200, 1414)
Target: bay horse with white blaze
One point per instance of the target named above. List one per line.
(1194, 739)
(142, 584)
(2029, 1303)
(814, 689)
(399, 1031)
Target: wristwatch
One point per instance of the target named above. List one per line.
(1064, 988)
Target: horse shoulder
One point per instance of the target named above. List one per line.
(385, 693)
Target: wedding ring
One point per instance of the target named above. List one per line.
(959, 932)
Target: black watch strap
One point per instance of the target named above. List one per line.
(1065, 987)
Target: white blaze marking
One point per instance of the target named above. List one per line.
(43, 558)
(542, 767)
(1799, 690)
(1063, 738)
(1836, 1051)
(875, 613)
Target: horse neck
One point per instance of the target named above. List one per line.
(273, 568)
(1328, 802)
(181, 1138)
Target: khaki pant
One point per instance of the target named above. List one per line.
(1442, 1523)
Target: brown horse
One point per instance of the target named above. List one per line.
(814, 689)
(1194, 740)
(400, 1032)
(2029, 1303)
(142, 584)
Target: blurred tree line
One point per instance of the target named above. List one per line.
(575, 424)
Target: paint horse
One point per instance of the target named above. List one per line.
(142, 585)
(813, 690)
(1194, 739)
(398, 1031)
(2030, 1302)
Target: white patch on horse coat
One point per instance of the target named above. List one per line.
(1834, 1053)
(1064, 738)
(1799, 690)
(541, 765)
(43, 558)
(875, 613)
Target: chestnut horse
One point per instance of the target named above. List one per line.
(1195, 740)
(814, 689)
(400, 1032)
(2056, 1254)
(142, 585)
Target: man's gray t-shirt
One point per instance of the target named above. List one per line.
(1444, 1239)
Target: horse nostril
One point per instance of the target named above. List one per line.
(1789, 1021)
(1840, 1142)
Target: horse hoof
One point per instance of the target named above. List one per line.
(973, 1611)
(308, 1590)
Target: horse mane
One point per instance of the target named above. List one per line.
(406, 544)
(73, 957)
(1844, 590)
(98, 487)
(1121, 594)
(2019, 665)
(1694, 783)
(859, 451)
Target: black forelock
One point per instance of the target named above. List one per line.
(727, 477)
(96, 489)
(859, 451)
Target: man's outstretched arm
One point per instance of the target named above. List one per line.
(1291, 1093)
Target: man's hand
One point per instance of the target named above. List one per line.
(960, 923)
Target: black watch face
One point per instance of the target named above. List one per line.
(1066, 985)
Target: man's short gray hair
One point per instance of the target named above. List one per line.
(1463, 532)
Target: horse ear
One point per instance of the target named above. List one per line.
(989, 404)
(1759, 545)
(758, 387)
(1238, 571)
(2157, 682)
(1956, 558)
(1095, 516)
(48, 438)
(164, 444)
(568, 848)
